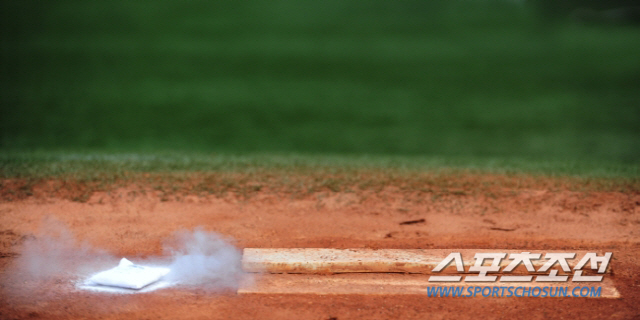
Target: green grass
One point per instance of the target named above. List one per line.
(47, 164)
(421, 84)
(77, 176)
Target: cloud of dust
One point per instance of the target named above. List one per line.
(55, 252)
(47, 259)
(52, 257)
(204, 260)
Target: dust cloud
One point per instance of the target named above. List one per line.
(205, 260)
(53, 260)
(54, 252)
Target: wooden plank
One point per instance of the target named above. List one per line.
(325, 260)
(395, 284)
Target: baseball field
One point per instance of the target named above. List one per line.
(181, 132)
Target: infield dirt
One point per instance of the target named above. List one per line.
(133, 220)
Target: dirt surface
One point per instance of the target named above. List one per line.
(133, 221)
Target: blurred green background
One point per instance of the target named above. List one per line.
(444, 78)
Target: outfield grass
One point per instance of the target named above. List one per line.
(87, 166)
(441, 83)
(77, 176)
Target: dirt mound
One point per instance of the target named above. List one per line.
(134, 220)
